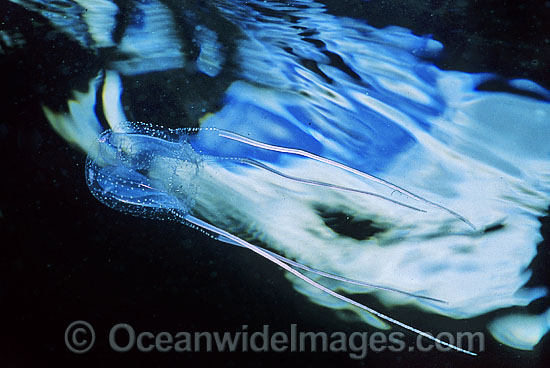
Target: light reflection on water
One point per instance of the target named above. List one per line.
(370, 99)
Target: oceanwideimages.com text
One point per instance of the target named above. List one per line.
(122, 337)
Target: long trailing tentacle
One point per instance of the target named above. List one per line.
(333, 276)
(197, 222)
(351, 281)
(328, 185)
(239, 138)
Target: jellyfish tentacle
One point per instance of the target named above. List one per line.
(327, 185)
(331, 275)
(317, 285)
(245, 140)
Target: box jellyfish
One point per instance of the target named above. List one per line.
(162, 174)
(346, 152)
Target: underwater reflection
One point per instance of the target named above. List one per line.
(371, 100)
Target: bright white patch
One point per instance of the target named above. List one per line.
(520, 331)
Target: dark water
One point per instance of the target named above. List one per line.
(67, 257)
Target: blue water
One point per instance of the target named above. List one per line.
(373, 100)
